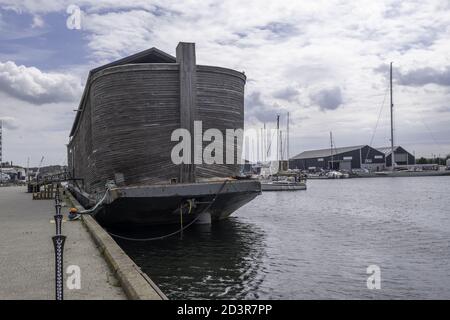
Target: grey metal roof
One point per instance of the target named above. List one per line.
(325, 152)
(152, 55)
(387, 150)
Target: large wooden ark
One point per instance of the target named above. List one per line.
(120, 143)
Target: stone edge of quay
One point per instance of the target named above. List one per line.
(135, 283)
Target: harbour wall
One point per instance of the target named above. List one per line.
(135, 283)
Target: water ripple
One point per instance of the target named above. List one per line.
(315, 244)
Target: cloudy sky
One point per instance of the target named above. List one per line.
(325, 62)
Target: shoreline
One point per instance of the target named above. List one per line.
(136, 284)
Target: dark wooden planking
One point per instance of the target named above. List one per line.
(188, 100)
(130, 113)
(220, 103)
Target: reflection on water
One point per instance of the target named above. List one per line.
(314, 244)
(219, 261)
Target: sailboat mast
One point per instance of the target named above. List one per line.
(261, 149)
(281, 146)
(392, 120)
(331, 150)
(287, 141)
(278, 137)
(265, 143)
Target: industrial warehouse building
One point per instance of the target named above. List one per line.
(402, 157)
(349, 158)
(346, 158)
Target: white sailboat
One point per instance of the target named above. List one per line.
(273, 177)
(395, 170)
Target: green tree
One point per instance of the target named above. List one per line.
(422, 160)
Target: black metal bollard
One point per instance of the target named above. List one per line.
(58, 219)
(58, 208)
(57, 199)
(58, 243)
(58, 222)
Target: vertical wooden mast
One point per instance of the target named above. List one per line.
(188, 102)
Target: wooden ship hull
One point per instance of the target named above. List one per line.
(163, 204)
(274, 186)
(120, 144)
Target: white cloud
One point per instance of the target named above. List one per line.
(34, 132)
(38, 22)
(33, 6)
(33, 85)
(9, 123)
(112, 35)
(291, 51)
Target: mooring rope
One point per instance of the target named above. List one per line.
(176, 232)
(89, 211)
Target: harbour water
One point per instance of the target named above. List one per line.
(313, 244)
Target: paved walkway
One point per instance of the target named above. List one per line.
(27, 255)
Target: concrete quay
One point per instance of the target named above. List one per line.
(136, 284)
(27, 265)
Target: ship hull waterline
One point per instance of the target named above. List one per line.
(160, 204)
(287, 187)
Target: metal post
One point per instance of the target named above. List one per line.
(58, 219)
(58, 243)
(57, 198)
